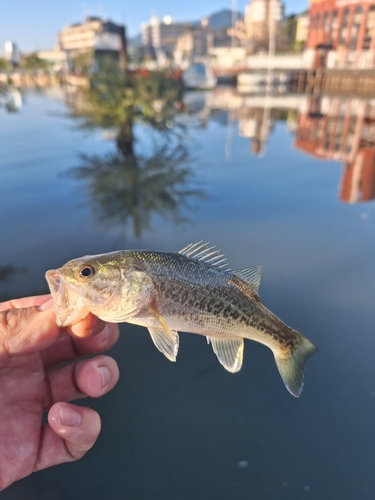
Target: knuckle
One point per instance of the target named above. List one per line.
(8, 326)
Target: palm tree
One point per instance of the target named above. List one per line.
(119, 99)
(129, 186)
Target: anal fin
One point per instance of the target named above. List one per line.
(229, 352)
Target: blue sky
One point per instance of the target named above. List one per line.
(34, 24)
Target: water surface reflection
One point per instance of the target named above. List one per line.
(338, 128)
(189, 430)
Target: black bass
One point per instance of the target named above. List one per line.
(192, 291)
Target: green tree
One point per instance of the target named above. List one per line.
(289, 32)
(5, 65)
(83, 63)
(118, 99)
(32, 62)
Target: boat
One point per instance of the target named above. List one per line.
(199, 76)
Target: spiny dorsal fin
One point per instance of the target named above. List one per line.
(244, 287)
(251, 275)
(209, 255)
(229, 352)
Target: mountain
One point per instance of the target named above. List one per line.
(222, 19)
(135, 41)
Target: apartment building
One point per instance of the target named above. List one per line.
(347, 29)
(93, 34)
(162, 34)
(262, 18)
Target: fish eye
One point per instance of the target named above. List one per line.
(87, 271)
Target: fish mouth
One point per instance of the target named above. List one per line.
(64, 297)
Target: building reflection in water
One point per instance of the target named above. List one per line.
(338, 128)
(342, 129)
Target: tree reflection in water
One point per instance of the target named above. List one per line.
(128, 186)
(10, 97)
(138, 187)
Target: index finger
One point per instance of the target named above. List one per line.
(36, 300)
(86, 327)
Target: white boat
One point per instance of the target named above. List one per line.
(199, 76)
(254, 81)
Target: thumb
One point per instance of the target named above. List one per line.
(26, 330)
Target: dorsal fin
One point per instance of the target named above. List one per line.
(245, 287)
(204, 253)
(251, 275)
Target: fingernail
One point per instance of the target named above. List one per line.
(70, 417)
(106, 375)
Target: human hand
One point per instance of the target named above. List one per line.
(32, 347)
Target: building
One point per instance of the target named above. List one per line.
(57, 59)
(162, 34)
(263, 18)
(346, 28)
(194, 41)
(102, 37)
(198, 41)
(342, 129)
(302, 28)
(12, 53)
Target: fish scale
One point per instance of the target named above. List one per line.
(192, 291)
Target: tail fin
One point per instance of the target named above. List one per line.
(291, 367)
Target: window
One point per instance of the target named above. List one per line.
(357, 19)
(344, 27)
(317, 21)
(369, 28)
(326, 22)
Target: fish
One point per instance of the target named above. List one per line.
(192, 290)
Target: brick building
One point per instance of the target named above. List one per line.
(347, 28)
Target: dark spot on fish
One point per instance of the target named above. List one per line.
(210, 305)
(227, 312)
(235, 314)
(184, 297)
(202, 303)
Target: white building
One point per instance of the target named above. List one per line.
(162, 34)
(262, 17)
(93, 34)
(12, 52)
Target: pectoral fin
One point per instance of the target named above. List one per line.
(167, 344)
(229, 352)
(165, 339)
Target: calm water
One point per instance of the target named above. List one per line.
(300, 206)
